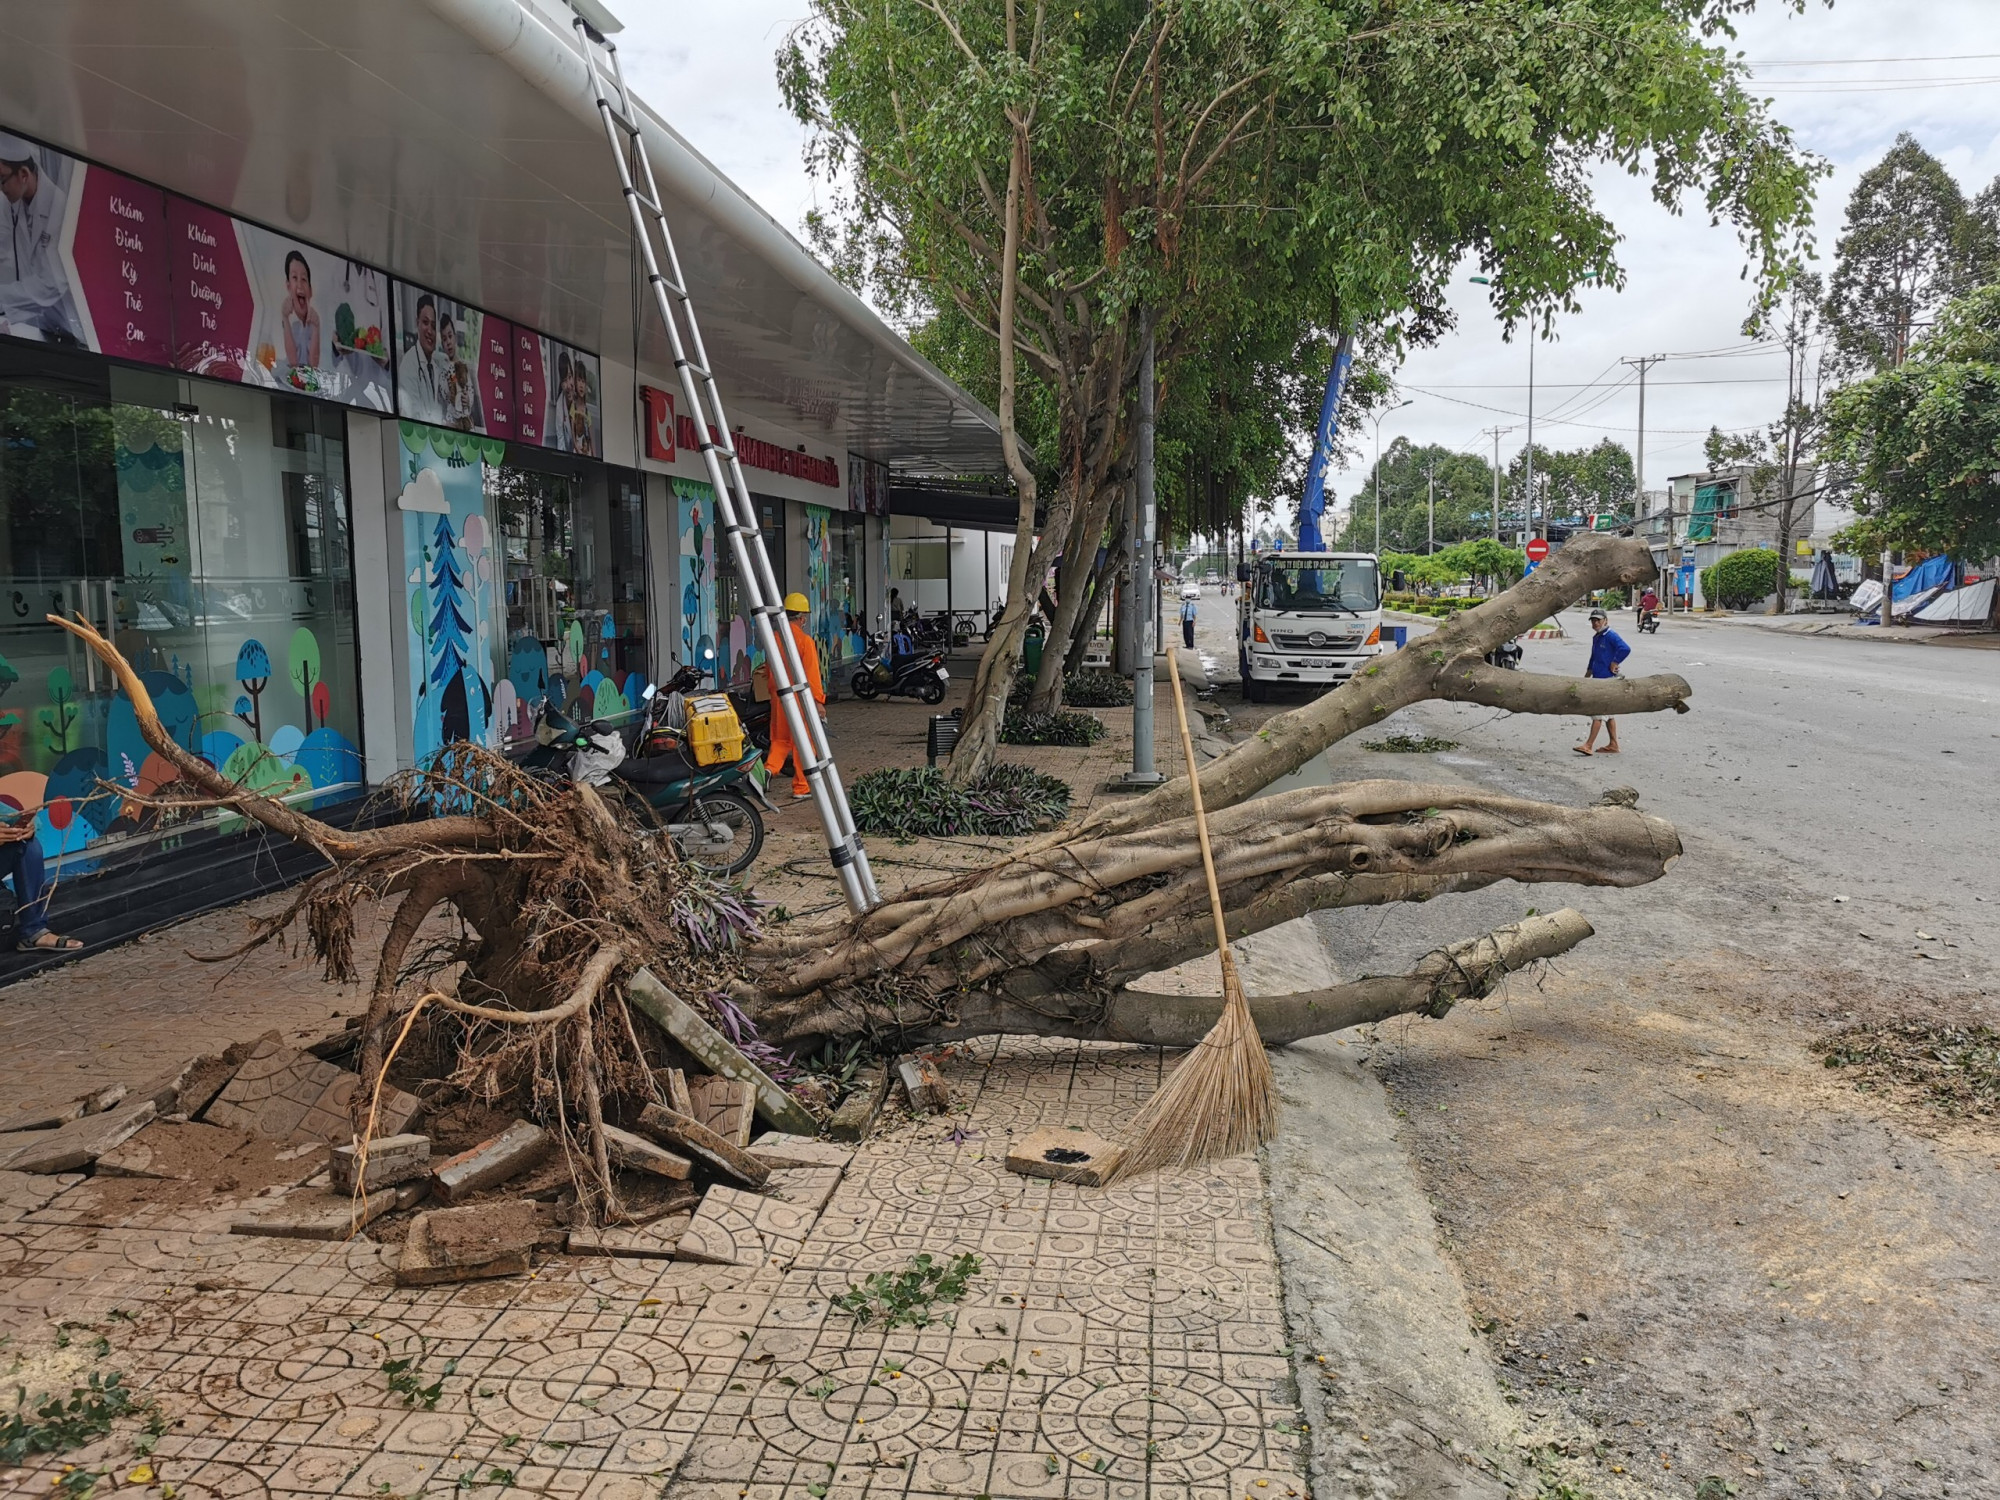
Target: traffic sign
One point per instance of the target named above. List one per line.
(1538, 549)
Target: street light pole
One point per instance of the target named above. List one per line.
(1528, 513)
(1378, 471)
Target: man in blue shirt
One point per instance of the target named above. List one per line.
(1607, 650)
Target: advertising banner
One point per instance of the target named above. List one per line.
(530, 389)
(446, 353)
(455, 620)
(496, 375)
(84, 261)
(658, 410)
(253, 306)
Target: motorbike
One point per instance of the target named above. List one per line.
(1507, 654)
(710, 812)
(918, 674)
(1649, 622)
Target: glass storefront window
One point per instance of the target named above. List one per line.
(573, 549)
(204, 528)
(837, 572)
(740, 649)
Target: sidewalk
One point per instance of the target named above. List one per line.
(1841, 627)
(1114, 1344)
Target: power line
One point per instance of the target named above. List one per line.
(1853, 62)
(1567, 422)
(1560, 385)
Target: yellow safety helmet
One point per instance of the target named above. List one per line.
(796, 604)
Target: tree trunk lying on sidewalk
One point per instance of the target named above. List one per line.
(561, 901)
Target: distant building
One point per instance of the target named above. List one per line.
(1702, 518)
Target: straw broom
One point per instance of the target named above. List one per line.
(1221, 1100)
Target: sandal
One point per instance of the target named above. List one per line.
(48, 942)
(1581, 751)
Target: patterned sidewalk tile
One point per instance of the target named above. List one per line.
(1116, 1343)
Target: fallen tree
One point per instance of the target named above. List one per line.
(559, 900)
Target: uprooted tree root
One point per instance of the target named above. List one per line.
(558, 898)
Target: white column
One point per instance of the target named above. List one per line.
(381, 598)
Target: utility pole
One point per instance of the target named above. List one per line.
(1642, 364)
(1431, 509)
(1495, 433)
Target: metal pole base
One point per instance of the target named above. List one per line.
(1135, 781)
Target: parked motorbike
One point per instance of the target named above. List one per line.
(708, 811)
(1507, 654)
(919, 674)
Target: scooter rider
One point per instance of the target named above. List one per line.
(782, 748)
(1649, 604)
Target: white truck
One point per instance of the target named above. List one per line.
(1306, 618)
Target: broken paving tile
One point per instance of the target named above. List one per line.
(654, 1241)
(476, 1243)
(804, 1187)
(691, 1135)
(1064, 1155)
(680, 1021)
(520, 1146)
(391, 1159)
(290, 1096)
(923, 1083)
(727, 1106)
(735, 1228)
(780, 1150)
(638, 1154)
(22, 1193)
(314, 1213)
(77, 1144)
(860, 1109)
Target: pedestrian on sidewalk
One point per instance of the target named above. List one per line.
(21, 858)
(1190, 607)
(782, 748)
(1607, 650)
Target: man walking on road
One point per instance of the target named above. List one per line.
(782, 748)
(1607, 650)
(1190, 607)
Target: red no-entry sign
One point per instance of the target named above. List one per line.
(1538, 549)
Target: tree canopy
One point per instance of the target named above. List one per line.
(1899, 255)
(1266, 170)
(1923, 440)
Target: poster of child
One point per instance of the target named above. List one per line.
(319, 321)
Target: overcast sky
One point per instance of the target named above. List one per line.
(1847, 80)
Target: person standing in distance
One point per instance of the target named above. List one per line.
(1190, 607)
(782, 748)
(1607, 650)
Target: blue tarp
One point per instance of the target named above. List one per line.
(1937, 573)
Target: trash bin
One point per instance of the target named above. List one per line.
(1031, 655)
(1401, 635)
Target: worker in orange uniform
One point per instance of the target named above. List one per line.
(782, 747)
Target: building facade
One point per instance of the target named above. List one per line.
(326, 391)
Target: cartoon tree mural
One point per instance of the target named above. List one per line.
(253, 670)
(450, 635)
(60, 716)
(305, 665)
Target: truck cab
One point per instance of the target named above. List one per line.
(1306, 618)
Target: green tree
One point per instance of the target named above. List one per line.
(1922, 442)
(1070, 175)
(1977, 250)
(1897, 256)
(1464, 499)
(1572, 483)
(304, 660)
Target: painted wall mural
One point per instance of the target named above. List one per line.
(694, 526)
(448, 572)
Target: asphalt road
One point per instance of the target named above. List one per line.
(1674, 1224)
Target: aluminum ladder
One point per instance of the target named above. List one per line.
(725, 470)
